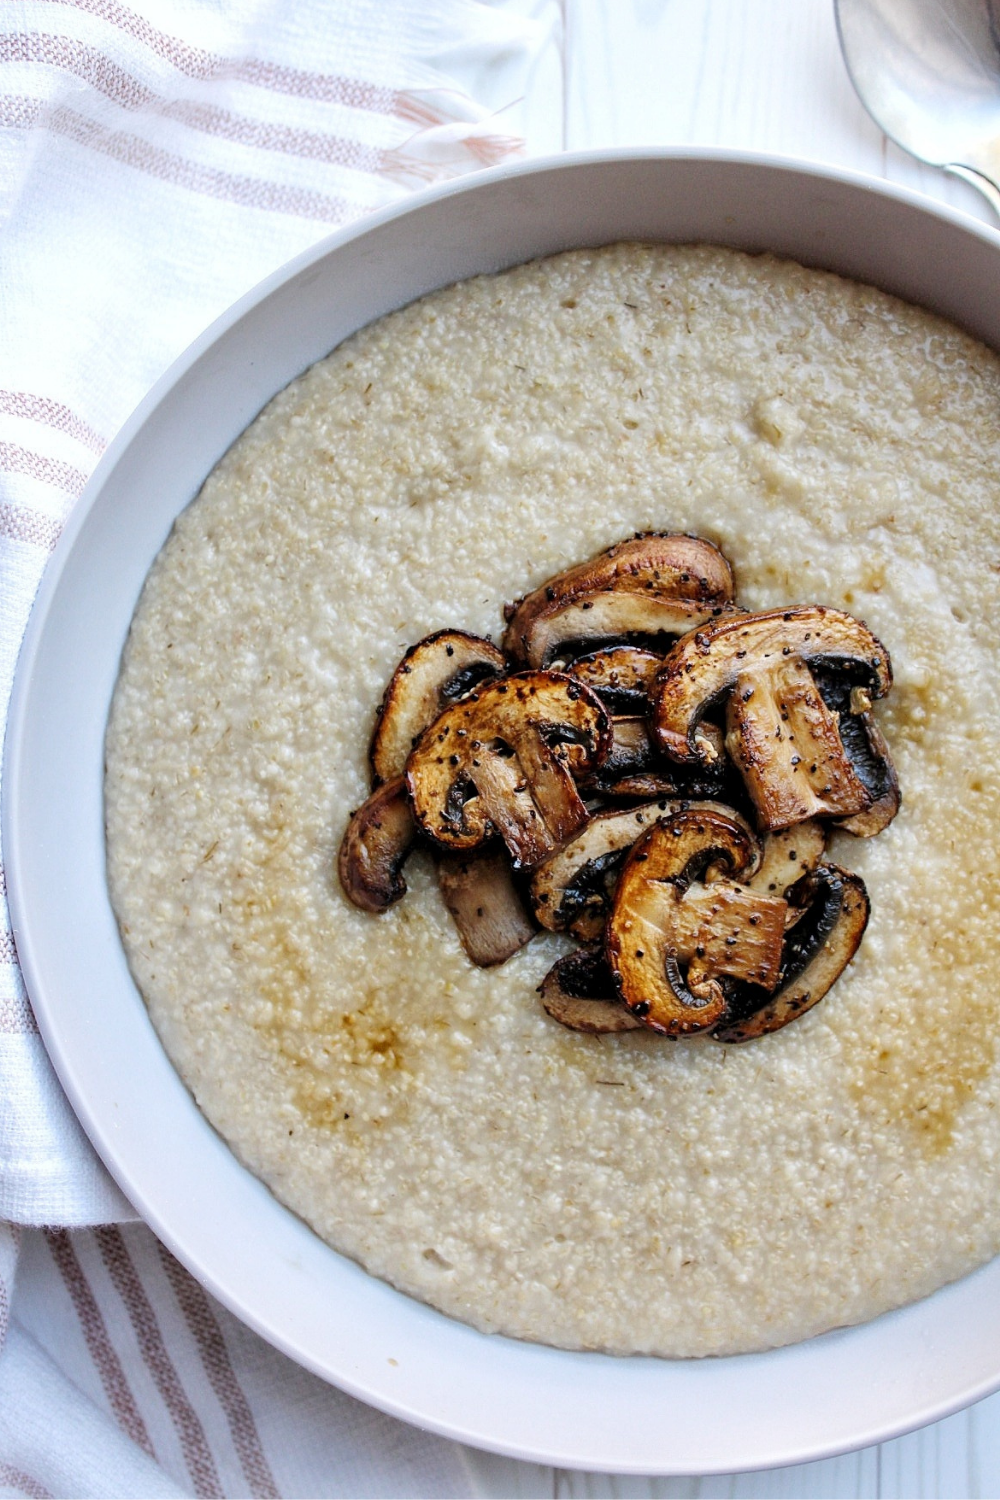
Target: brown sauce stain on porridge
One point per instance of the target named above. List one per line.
(924, 1083)
(347, 1064)
(339, 1058)
(361, 1039)
(919, 1071)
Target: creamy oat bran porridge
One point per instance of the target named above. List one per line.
(425, 1116)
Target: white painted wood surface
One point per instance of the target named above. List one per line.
(763, 75)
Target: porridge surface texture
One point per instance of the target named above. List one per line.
(623, 1192)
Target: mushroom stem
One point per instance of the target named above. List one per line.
(727, 928)
(480, 893)
(785, 742)
(531, 800)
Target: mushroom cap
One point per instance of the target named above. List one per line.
(705, 663)
(646, 928)
(502, 761)
(434, 673)
(835, 909)
(657, 582)
(571, 891)
(376, 842)
(621, 676)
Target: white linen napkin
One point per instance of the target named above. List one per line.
(157, 159)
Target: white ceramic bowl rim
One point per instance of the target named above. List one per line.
(850, 1387)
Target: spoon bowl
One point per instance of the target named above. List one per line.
(928, 72)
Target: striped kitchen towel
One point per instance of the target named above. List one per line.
(157, 159)
(154, 165)
(122, 1377)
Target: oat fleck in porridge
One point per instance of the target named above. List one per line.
(427, 1116)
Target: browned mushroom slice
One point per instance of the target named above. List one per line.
(621, 676)
(502, 761)
(374, 847)
(654, 583)
(480, 893)
(579, 992)
(789, 854)
(656, 930)
(781, 734)
(817, 950)
(433, 674)
(633, 767)
(572, 890)
(866, 746)
(630, 753)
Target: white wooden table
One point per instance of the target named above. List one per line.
(762, 75)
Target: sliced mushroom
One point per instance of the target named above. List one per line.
(781, 734)
(655, 583)
(433, 674)
(579, 991)
(621, 676)
(789, 854)
(651, 933)
(630, 753)
(634, 767)
(572, 890)
(503, 760)
(817, 950)
(866, 746)
(377, 840)
(480, 893)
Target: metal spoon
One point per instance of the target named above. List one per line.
(928, 72)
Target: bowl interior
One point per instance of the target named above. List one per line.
(640, 1415)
